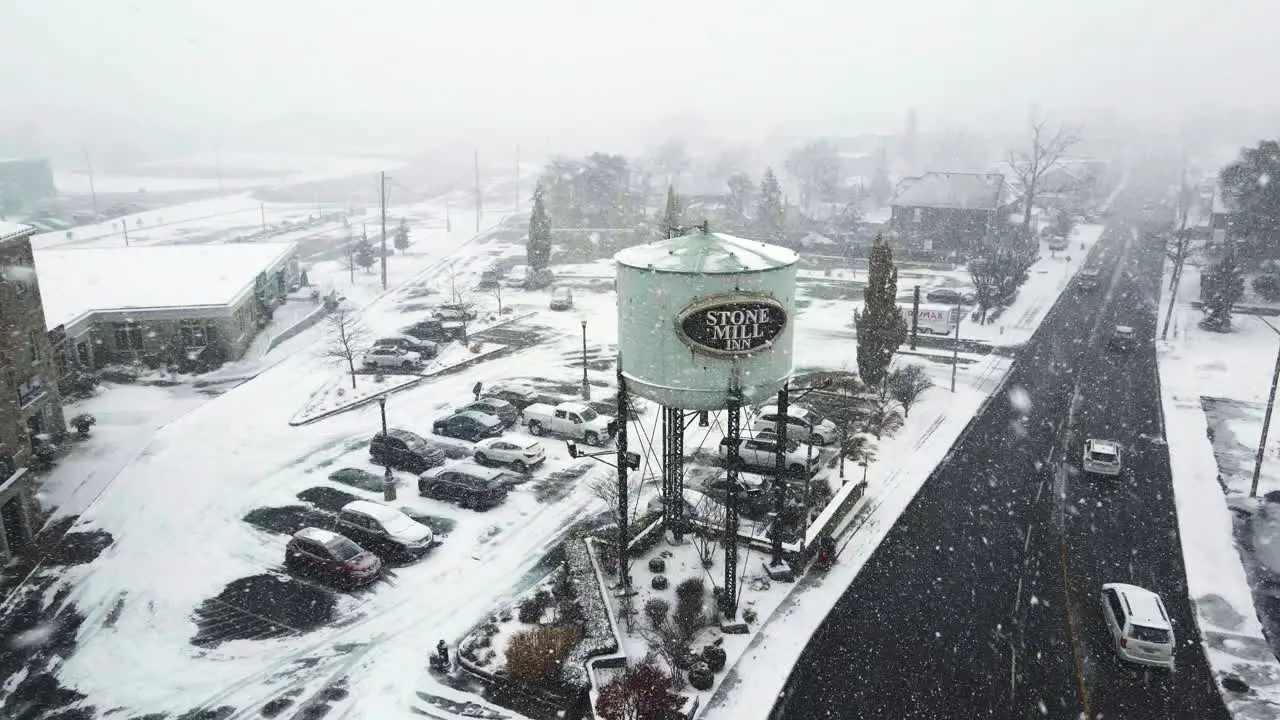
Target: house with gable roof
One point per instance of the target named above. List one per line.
(950, 214)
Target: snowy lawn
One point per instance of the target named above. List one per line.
(1220, 381)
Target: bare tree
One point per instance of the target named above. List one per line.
(853, 447)
(1046, 152)
(497, 293)
(705, 540)
(347, 338)
(884, 418)
(907, 384)
(605, 487)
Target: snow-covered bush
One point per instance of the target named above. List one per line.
(715, 657)
(690, 599)
(656, 610)
(535, 656)
(701, 677)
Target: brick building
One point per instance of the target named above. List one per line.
(30, 409)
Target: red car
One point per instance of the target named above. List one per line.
(323, 552)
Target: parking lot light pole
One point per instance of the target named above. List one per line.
(586, 385)
(388, 482)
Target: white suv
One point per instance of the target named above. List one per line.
(762, 453)
(1101, 457)
(803, 425)
(385, 356)
(1139, 625)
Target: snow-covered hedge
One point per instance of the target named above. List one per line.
(597, 631)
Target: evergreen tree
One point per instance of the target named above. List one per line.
(1222, 288)
(770, 212)
(539, 233)
(672, 219)
(364, 254)
(881, 327)
(401, 240)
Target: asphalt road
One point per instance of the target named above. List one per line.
(983, 601)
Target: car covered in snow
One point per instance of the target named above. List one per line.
(384, 530)
(385, 356)
(425, 348)
(761, 452)
(1089, 279)
(468, 425)
(519, 455)
(403, 450)
(506, 412)
(516, 276)
(471, 486)
(1058, 243)
(571, 420)
(1101, 457)
(318, 552)
(455, 312)
(803, 424)
(518, 395)
(562, 299)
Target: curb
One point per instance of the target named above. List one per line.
(501, 349)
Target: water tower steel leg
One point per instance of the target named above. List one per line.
(676, 463)
(779, 480)
(668, 512)
(624, 577)
(729, 598)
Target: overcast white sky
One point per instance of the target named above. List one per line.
(598, 69)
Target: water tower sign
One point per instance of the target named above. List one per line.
(731, 325)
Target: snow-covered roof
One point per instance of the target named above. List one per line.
(75, 282)
(12, 230)
(965, 191)
(708, 253)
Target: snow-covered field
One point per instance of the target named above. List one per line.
(1201, 370)
(177, 509)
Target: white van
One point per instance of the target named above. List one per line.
(1139, 625)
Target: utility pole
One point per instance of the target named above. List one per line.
(517, 209)
(915, 316)
(93, 193)
(479, 204)
(1266, 425)
(262, 210)
(382, 193)
(1180, 251)
(124, 223)
(955, 350)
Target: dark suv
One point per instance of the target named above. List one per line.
(1089, 279)
(469, 485)
(402, 450)
(1124, 338)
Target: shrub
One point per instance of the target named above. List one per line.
(641, 691)
(533, 607)
(535, 656)
(1267, 286)
(657, 565)
(589, 601)
(659, 582)
(749, 615)
(690, 597)
(656, 609)
(715, 657)
(701, 677)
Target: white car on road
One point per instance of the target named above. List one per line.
(385, 356)
(1101, 457)
(519, 455)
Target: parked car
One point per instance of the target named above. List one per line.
(436, 329)
(384, 530)
(355, 477)
(490, 278)
(1101, 457)
(1124, 338)
(468, 425)
(562, 299)
(520, 456)
(1089, 279)
(761, 452)
(469, 485)
(391, 357)
(425, 348)
(456, 312)
(947, 296)
(570, 419)
(314, 551)
(803, 425)
(519, 396)
(403, 450)
(752, 492)
(501, 409)
(517, 276)
(1139, 624)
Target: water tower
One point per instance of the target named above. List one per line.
(705, 322)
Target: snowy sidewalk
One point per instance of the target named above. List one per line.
(1196, 364)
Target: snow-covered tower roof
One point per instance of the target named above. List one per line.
(707, 253)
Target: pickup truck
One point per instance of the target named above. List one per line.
(569, 419)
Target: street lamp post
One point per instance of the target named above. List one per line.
(586, 385)
(388, 482)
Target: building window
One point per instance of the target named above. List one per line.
(82, 354)
(33, 345)
(193, 334)
(128, 336)
(30, 391)
(915, 215)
